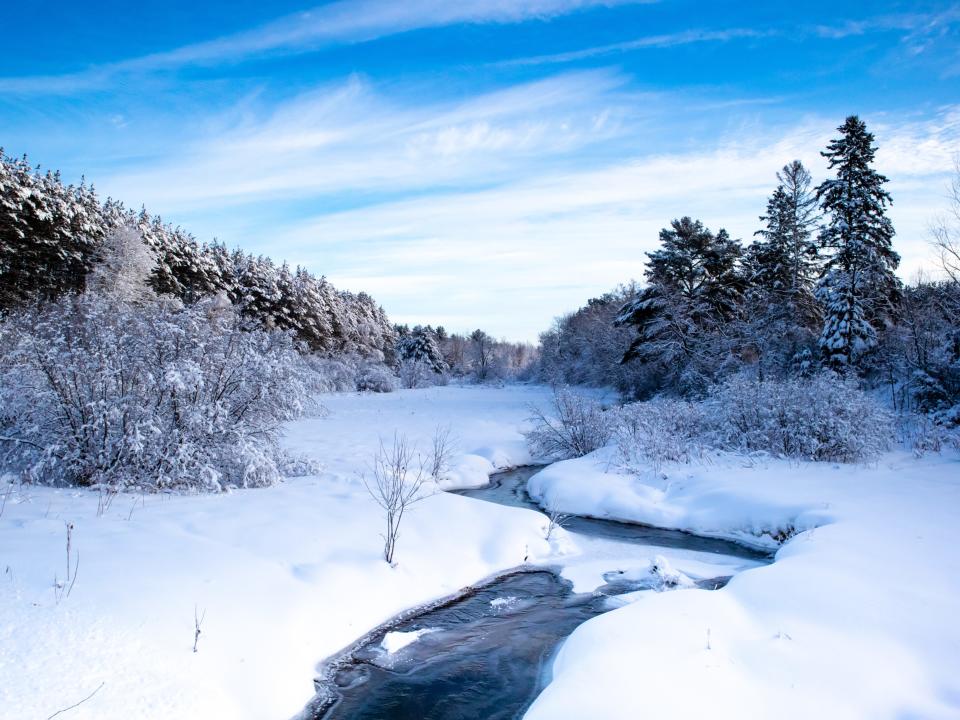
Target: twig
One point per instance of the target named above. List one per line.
(69, 540)
(197, 622)
(79, 703)
(4, 438)
(6, 496)
(76, 570)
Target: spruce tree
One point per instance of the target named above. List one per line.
(859, 289)
(781, 270)
(420, 346)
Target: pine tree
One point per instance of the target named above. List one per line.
(693, 290)
(781, 270)
(859, 289)
(420, 346)
(49, 233)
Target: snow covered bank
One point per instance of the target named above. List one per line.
(282, 576)
(855, 619)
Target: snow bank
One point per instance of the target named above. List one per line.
(706, 498)
(283, 576)
(855, 619)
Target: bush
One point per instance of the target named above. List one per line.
(154, 396)
(573, 427)
(924, 434)
(823, 417)
(659, 431)
(334, 374)
(375, 377)
(418, 374)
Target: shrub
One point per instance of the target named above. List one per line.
(154, 396)
(659, 431)
(823, 417)
(418, 374)
(375, 377)
(574, 426)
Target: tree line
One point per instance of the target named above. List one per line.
(52, 235)
(816, 289)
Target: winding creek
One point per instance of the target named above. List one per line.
(486, 653)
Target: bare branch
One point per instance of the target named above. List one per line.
(557, 519)
(78, 703)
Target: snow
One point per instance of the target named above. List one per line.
(856, 618)
(284, 576)
(689, 498)
(395, 640)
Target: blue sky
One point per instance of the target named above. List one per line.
(486, 163)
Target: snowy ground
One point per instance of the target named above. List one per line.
(855, 619)
(285, 575)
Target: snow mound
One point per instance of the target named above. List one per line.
(395, 641)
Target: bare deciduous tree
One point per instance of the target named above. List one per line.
(946, 230)
(395, 485)
(441, 451)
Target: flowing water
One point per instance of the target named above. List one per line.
(486, 654)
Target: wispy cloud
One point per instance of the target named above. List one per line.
(685, 37)
(916, 24)
(919, 30)
(345, 21)
(347, 138)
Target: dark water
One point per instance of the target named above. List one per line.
(485, 658)
(486, 655)
(510, 488)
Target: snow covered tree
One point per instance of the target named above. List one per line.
(694, 289)
(124, 266)
(420, 347)
(859, 289)
(782, 315)
(49, 233)
(585, 347)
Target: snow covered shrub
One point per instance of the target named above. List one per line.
(574, 426)
(924, 434)
(375, 377)
(659, 431)
(417, 374)
(334, 374)
(98, 392)
(823, 417)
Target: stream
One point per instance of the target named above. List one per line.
(486, 654)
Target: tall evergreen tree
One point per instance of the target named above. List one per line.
(859, 289)
(781, 270)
